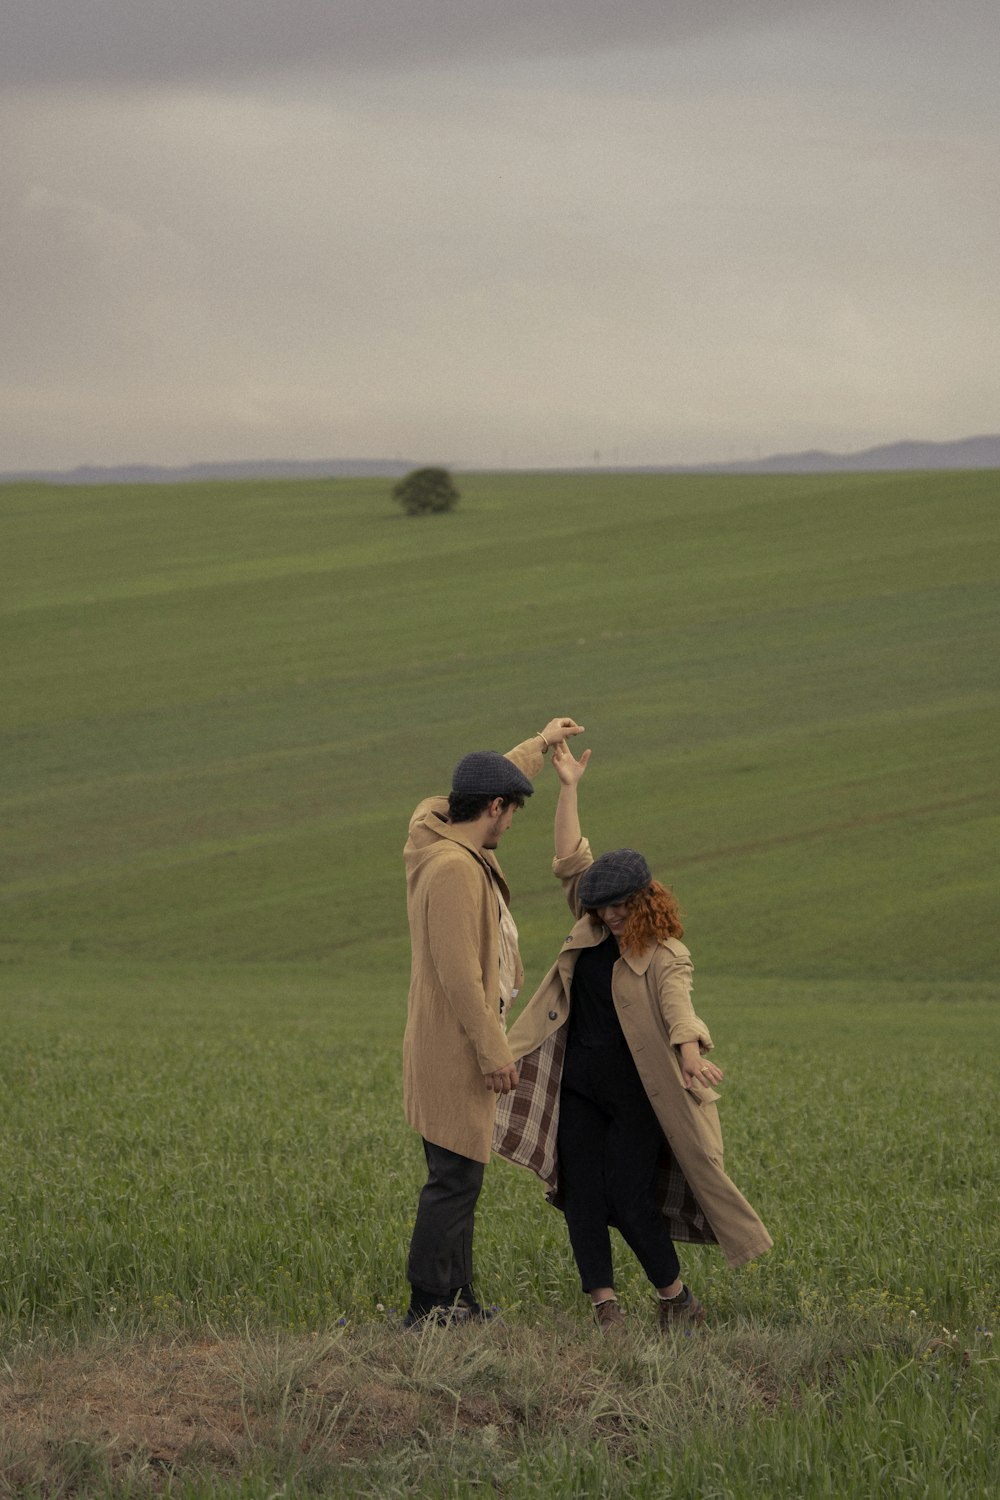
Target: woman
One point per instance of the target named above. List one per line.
(615, 1110)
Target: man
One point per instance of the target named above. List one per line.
(465, 972)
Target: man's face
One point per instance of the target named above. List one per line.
(500, 821)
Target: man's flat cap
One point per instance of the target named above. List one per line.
(487, 773)
(613, 877)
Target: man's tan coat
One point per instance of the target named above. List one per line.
(454, 1035)
(652, 996)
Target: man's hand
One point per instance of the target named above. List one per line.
(561, 729)
(697, 1069)
(565, 764)
(504, 1081)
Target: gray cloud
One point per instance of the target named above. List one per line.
(127, 41)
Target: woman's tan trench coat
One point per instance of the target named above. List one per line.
(652, 996)
(454, 1035)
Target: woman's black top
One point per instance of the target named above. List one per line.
(593, 1020)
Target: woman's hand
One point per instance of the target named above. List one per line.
(557, 730)
(565, 764)
(697, 1069)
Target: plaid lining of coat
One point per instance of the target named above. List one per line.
(526, 1132)
(527, 1120)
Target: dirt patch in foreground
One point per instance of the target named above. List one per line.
(149, 1412)
(158, 1405)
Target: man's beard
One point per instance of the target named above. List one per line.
(492, 840)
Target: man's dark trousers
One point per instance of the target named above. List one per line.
(440, 1261)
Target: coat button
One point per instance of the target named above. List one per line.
(553, 1015)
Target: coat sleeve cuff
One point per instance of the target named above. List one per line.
(492, 1059)
(573, 864)
(528, 757)
(694, 1030)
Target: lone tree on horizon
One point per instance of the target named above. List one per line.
(425, 492)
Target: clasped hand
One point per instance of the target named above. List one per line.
(558, 730)
(504, 1080)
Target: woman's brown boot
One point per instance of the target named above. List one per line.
(610, 1318)
(675, 1312)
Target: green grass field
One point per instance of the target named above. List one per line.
(219, 706)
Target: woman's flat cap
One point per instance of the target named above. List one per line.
(613, 877)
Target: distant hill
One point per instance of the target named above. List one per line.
(965, 453)
(278, 468)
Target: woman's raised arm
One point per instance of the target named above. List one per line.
(567, 824)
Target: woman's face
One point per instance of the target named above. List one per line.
(614, 917)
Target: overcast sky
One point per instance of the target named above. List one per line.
(495, 231)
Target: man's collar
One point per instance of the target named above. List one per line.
(454, 832)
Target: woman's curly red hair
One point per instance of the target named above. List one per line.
(653, 914)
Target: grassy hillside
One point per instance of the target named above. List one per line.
(220, 703)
